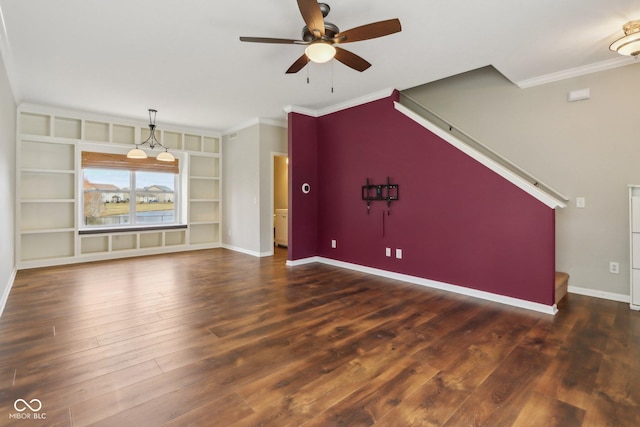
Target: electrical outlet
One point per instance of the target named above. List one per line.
(387, 252)
(581, 202)
(614, 268)
(334, 244)
(399, 253)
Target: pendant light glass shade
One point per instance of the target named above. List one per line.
(166, 156)
(136, 153)
(320, 52)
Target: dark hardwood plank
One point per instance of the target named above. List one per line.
(514, 376)
(539, 410)
(216, 337)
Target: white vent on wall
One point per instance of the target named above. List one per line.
(579, 95)
(233, 135)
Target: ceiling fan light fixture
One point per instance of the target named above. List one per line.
(630, 43)
(320, 52)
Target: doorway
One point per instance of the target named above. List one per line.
(280, 200)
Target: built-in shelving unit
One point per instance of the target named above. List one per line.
(49, 181)
(204, 196)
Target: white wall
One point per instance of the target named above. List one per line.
(241, 190)
(585, 149)
(247, 213)
(7, 185)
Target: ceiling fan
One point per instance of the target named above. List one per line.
(321, 37)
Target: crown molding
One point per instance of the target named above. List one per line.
(301, 110)
(274, 122)
(385, 93)
(256, 121)
(576, 72)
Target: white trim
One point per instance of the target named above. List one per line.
(599, 294)
(7, 58)
(301, 110)
(487, 162)
(119, 254)
(253, 122)
(376, 96)
(5, 296)
(274, 122)
(256, 121)
(247, 251)
(576, 72)
(303, 261)
(488, 296)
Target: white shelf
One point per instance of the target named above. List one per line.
(48, 230)
(51, 171)
(204, 233)
(47, 245)
(47, 201)
(205, 178)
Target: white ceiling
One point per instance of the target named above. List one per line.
(183, 58)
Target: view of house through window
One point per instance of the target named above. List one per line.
(117, 197)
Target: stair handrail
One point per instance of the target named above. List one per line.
(472, 142)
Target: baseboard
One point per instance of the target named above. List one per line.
(599, 294)
(303, 261)
(488, 296)
(7, 289)
(247, 251)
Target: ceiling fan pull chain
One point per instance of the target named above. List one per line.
(332, 62)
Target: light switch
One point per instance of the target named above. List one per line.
(580, 202)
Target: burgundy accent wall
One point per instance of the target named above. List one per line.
(456, 222)
(303, 168)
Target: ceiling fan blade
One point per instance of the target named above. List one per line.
(298, 65)
(369, 31)
(271, 40)
(312, 16)
(350, 59)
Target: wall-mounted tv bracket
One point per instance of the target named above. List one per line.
(387, 192)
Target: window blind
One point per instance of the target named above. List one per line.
(92, 159)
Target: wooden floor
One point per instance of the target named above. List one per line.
(218, 338)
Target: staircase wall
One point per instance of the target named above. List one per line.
(587, 149)
(456, 222)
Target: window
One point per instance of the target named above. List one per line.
(124, 194)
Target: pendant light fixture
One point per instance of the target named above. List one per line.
(630, 43)
(137, 153)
